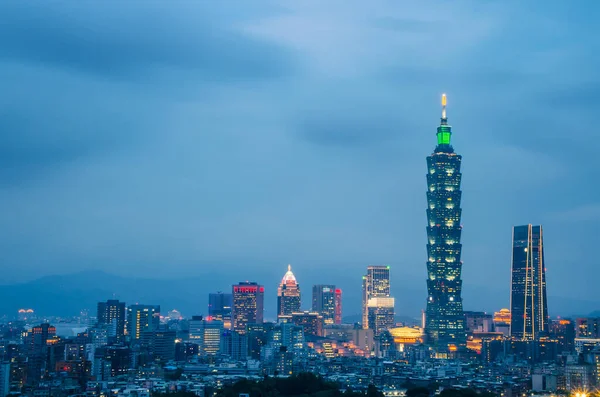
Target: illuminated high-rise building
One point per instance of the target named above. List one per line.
(380, 314)
(141, 318)
(378, 305)
(206, 333)
(288, 295)
(112, 313)
(338, 306)
(248, 305)
(219, 307)
(528, 304)
(444, 320)
(324, 302)
(311, 322)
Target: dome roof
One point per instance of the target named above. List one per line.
(288, 277)
(406, 332)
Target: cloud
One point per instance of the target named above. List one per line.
(175, 136)
(127, 42)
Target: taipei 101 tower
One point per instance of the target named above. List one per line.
(444, 321)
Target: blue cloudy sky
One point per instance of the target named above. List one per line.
(227, 139)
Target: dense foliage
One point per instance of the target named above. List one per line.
(175, 394)
(301, 385)
(426, 392)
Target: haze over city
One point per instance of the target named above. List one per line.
(220, 143)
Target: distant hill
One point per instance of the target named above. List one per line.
(66, 295)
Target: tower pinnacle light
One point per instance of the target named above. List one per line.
(444, 100)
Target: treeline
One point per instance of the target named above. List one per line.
(301, 385)
(450, 392)
(310, 385)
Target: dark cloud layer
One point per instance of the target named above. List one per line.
(127, 42)
(194, 139)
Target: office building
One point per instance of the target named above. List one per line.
(528, 304)
(376, 284)
(234, 344)
(206, 333)
(4, 379)
(324, 302)
(444, 320)
(112, 313)
(380, 314)
(37, 342)
(478, 322)
(311, 322)
(160, 344)
(219, 307)
(288, 295)
(338, 306)
(248, 305)
(587, 327)
(563, 331)
(141, 318)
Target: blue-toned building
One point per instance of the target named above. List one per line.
(444, 321)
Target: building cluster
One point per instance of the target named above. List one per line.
(132, 350)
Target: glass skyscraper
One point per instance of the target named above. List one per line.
(444, 321)
(378, 305)
(528, 304)
(219, 307)
(324, 302)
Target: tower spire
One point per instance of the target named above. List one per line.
(444, 118)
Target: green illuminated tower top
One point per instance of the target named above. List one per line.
(444, 131)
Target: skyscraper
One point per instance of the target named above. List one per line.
(288, 295)
(323, 302)
(444, 321)
(248, 305)
(141, 318)
(206, 333)
(378, 305)
(112, 313)
(338, 306)
(219, 307)
(528, 304)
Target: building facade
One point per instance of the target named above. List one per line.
(528, 304)
(311, 322)
(288, 295)
(324, 302)
(444, 321)
(206, 333)
(376, 284)
(248, 305)
(112, 313)
(141, 318)
(219, 307)
(588, 327)
(380, 314)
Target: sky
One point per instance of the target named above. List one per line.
(228, 139)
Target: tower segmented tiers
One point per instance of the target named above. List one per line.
(444, 322)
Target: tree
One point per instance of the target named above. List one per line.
(372, 391)
(417, 392)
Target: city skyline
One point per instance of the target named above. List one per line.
(217, 199)
(146, 176)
